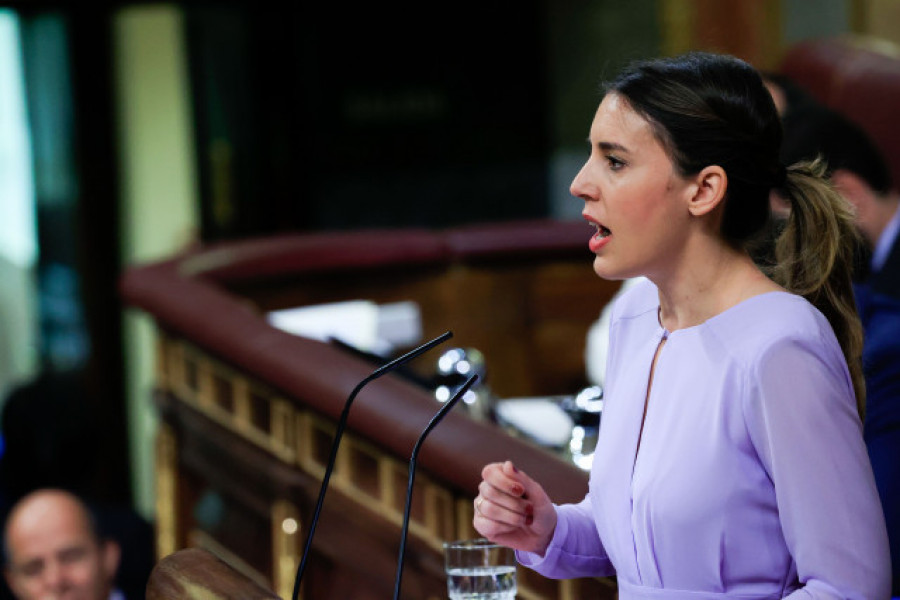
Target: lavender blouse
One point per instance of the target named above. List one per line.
(751, 480)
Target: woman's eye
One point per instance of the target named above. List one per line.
(614, 163)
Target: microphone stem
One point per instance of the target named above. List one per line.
(412, 475)
(339, 432)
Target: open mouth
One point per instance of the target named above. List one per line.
(601, 231)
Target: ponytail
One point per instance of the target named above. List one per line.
(814, 259)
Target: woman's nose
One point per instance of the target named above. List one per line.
(579, 187)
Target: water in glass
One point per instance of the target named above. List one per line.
(482, 583)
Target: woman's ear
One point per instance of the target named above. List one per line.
(708, 191)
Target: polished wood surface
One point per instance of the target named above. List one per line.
(194, 574)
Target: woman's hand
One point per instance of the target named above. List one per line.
(513, 510)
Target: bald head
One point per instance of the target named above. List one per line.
(53, 550)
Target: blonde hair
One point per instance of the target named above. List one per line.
(814, 259)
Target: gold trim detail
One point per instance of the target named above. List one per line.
(166, 491)
(301, 438)
(285, 546)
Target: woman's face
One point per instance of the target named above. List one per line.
(633, 195)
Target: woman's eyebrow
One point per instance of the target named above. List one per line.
(612, 146)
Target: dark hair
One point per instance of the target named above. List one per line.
(711, 109)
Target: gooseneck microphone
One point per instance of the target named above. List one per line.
(412, 474)
(339, 432)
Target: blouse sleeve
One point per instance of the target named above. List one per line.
(803, 423)
(575, 550)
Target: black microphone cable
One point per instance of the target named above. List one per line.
(339, 432)
(412, 474)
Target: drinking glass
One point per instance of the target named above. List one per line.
(480, 570)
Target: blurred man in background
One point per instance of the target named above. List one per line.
(54, 551)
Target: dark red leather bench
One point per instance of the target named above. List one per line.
(859, 77)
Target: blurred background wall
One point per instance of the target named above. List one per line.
(130, 131)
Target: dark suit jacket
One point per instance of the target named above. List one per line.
(880, 315)
(887, 280)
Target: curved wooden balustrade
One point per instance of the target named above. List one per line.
(248, 411)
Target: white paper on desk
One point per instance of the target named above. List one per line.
(541, 419)
(360, 323)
